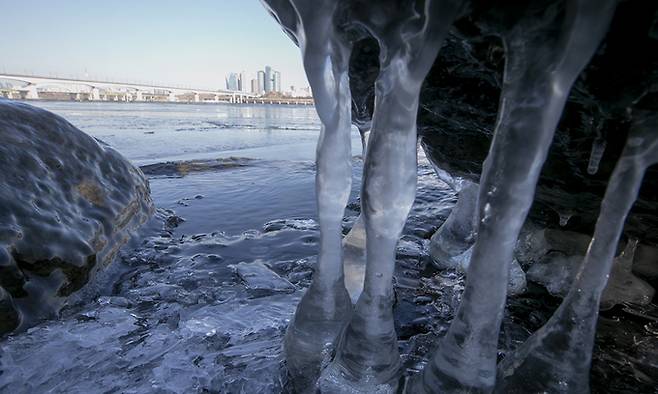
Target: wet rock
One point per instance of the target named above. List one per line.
(67, 204)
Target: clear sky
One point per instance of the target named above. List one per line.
(192, 43)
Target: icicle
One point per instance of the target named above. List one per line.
(326, 306)
(598, 148)
(557, 357)
(354, 243)
(538, 76)
(457, 233)
(367, 356)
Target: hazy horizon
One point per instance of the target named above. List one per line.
(165, 42)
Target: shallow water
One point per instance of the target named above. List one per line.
(199, 301)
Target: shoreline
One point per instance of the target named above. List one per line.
(286, 103)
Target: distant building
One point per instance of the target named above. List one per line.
(254, 86)
(302, 92)
(261, 82)
(243, 82)
(232, 82)
(276, 81)
(268, 79)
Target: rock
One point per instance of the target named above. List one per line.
(67, 204)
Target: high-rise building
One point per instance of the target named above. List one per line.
(254, 86)
(243, 82)
(261, 82)
(276, 81)
(232, 82)
(268, 79)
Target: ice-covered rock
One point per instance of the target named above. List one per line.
(556, 271)
(67, 204)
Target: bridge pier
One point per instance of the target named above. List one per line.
(196, 97)
(172, 97)
(95, 94)
(32, 93)
(139, 96)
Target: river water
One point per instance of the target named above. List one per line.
(200, 299)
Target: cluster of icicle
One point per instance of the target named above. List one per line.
(334, 346)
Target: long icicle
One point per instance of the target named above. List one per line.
(557, 357)
(367, 355)
(326, 306)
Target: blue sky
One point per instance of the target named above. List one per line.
(194, 43)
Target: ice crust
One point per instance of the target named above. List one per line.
(547, 45)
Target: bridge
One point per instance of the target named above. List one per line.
(31, 87)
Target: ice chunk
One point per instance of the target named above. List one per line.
(260, 280)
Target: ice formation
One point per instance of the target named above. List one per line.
(557, 357)
(547, 45)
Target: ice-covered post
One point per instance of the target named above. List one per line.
(557, 357)
(409, 39)
(326, 306)
(539, 72)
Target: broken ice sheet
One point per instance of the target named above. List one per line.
(260, 280)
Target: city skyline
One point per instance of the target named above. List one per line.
(263, 81)
(160, 42)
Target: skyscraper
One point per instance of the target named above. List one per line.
(243, 84)
(261, 82)
(276, 82)
(232, 82)
(268, 79)
(254, 86)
